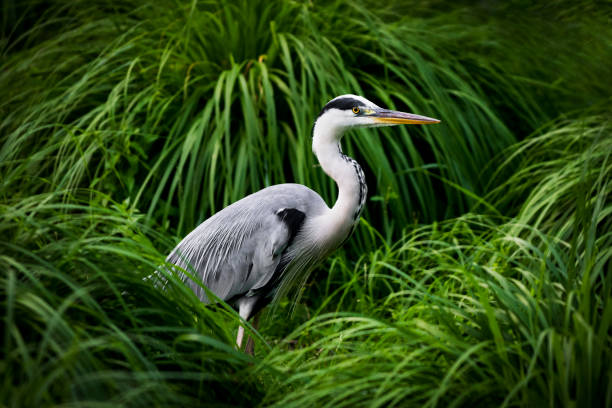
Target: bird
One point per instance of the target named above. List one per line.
(266, 243)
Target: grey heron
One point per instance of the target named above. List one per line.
(265, 243)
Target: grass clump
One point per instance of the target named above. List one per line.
(473, 310)
(82, 326)
(184, 107)
(481, 270)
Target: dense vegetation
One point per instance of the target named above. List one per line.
(481, 272)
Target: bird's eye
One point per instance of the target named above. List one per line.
(355, 110)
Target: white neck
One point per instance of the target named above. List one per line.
(346, 172)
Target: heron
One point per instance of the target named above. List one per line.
(261, 246)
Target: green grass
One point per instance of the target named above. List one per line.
(473, 311)
(480, 274)
(81, 324)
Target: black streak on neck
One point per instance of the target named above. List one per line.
(363, 187)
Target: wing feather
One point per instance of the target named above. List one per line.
(240, 247)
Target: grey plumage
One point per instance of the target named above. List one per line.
(236, 251)
(265, 244)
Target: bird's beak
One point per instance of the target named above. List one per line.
(391, 117)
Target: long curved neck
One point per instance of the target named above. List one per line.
(346, 172)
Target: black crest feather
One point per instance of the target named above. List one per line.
(344, 103)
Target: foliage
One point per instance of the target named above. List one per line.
(82, 322)
(472, 311)
(479, 275)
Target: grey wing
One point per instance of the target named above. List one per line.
(238, 249)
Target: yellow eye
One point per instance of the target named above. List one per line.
(355, 110)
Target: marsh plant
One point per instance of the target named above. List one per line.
(479, 275)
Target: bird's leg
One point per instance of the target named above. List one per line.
(250, 345)
(239, 337)
(245, 307)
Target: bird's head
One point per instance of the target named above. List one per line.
(348, 111)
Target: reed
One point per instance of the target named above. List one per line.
(480, 273)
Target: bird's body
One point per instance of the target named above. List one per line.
(269, 241)
(251, 239)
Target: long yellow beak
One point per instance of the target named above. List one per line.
(391, 117)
